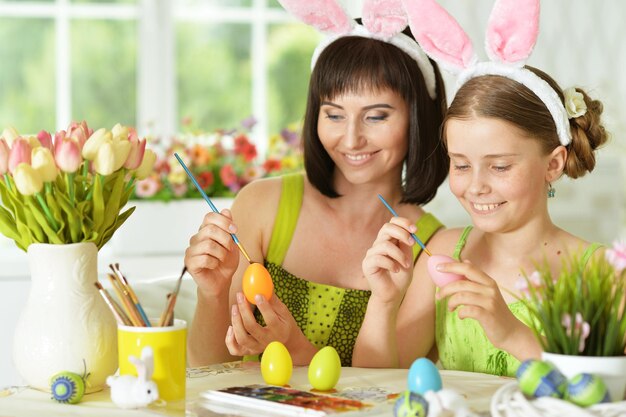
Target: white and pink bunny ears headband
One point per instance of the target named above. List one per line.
(511, 35)
(383, 20)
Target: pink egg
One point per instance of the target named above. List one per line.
(441, 278)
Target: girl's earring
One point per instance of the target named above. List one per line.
(551, 190)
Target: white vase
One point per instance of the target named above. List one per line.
(65, 324)
(612, 369)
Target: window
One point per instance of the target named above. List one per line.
(152, 64)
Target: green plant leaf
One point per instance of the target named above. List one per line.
(37, 214)
(98, 202)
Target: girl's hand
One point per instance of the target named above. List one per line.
(388, 264)
(212, 256)
(479, 297)
(247, 337)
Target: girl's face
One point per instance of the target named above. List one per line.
(365, 134)
(497, 173)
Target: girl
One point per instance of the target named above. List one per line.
(510, 133)
(374, 109)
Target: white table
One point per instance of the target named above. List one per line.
(477, 389)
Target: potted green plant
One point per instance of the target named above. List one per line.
(579, 316)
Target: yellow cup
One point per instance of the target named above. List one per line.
(169, 345)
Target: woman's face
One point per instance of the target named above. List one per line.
(497, 173)
(365, 134)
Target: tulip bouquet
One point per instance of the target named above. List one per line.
(69, 188)
(581, 312)
(222, 161)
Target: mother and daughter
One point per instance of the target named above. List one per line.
(345, 274)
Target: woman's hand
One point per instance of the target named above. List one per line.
(247, 337)
(212, 256)
(479, 297)
(388, 264)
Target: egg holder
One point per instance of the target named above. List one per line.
(542, 390)
(509, 401)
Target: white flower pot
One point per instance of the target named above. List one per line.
(612, 369)
(65, 324)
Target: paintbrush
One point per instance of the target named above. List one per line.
(168, 314)
(208, 200)
(417, 239)
(117, 311)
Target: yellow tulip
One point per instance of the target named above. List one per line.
(9, 134)
(90, 149)
(121, 150)
(120, 132)
(145, 168)
(43, 162)
(104, 162)
(27, 179)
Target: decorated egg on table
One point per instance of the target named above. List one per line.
(325, 369)
(67, 387)
(424, 376)
(441, 278)
(257, 280)
(276, 364)
(587, 389)
(410, 404)
(540, 379)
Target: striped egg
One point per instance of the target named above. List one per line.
(410, 404)
(67, 387)
(587, 389)
(540, 379)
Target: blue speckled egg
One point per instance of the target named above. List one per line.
(540, 379)
(587, 389)
(410, 404)
(424, 376)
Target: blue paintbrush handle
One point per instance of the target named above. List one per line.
(417, 239)
(206, 197)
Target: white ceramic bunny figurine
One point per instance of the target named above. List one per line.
(129, 391)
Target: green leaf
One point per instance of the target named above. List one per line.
(98, 202)
(42, 221)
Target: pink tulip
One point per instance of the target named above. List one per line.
(4, 157)
(137, 150)
(27, 179)
(67, 156)
(45, 139)
(20, 153)
(79, 132)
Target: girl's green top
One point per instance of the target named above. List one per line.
(327, 315)
(463, 345)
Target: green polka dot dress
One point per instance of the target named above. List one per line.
(327, 315)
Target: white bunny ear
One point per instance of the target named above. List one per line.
(147, 357)
(440, 35)
(325, 15)
(512, 31)
(385, 18)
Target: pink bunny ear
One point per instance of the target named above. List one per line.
(325, 15)
(385, 18)
(440, 35)
(139, 365)
(512, 30)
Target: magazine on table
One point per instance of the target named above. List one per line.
(254, 400)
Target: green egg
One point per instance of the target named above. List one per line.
(67, 387)
(587, 389)
(540, 379)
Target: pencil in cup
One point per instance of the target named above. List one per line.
(208, 200)
(115, 308)
(116, 270)
(413, 235)
(129, 307)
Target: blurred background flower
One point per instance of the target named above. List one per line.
(222, 161)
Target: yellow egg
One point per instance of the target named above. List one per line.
(257, 280)
(276, 364)
(325, 369)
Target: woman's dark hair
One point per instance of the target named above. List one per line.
(354, 64)
(502, 98)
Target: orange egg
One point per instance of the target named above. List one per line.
(257, 280)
